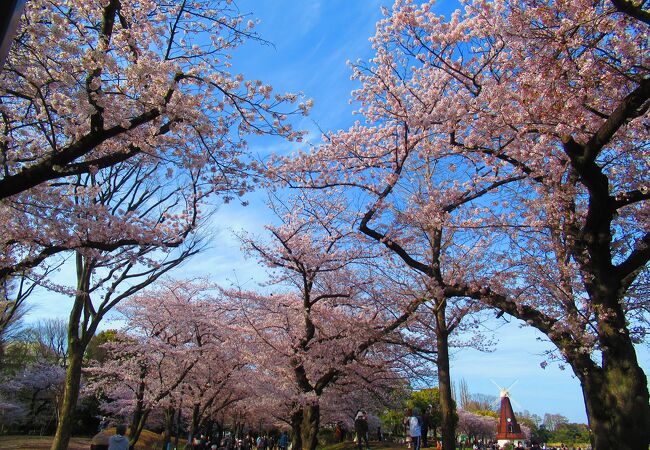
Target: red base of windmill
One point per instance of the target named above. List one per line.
(508, 429)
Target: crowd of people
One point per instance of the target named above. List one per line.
(521, 446)
(414, 428)
(249, 442)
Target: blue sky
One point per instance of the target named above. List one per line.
(312, 40)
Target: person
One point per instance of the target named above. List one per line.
(415, 430)
(118, 441)
(338, 434)
(103, 424)
(283, 442)
(405, 422)
(361, 428)
(248, 442)
(424, 425)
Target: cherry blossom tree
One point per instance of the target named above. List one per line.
(373, 388)
(176, 346)
(157, 234)
(34, 395)
(89, 85)
(477, 427)
(221, 377)
(329, 318)
(135, 91)
(504, 157)
(129, 78)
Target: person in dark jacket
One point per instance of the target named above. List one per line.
(283, 441)
(361, 429)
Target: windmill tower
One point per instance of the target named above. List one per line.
(508, 429)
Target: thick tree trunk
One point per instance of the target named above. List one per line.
(309, 427)
(70, 395)
(448, 427)
(296, 429)
(616, 399)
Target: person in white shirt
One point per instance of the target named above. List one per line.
(415, 428)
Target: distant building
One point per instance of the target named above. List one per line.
(508, 429)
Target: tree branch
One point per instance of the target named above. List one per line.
(628, 7)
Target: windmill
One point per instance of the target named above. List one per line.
(508, 429)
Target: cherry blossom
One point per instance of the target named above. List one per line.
(502, 155)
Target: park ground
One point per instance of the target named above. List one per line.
(147, 441)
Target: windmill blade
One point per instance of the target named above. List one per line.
(495, 383)
(510, 387)
(512, 400)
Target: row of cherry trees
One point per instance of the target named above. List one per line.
(222, 353)
(502, 156)
(120, 121)
(502, 163)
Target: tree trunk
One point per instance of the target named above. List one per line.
(178, 425)
(219, 432)
(78, 339)
(139, 414)
(70, 395)
(616, 399)
(194, 424)
(296, 432)
(209, 427)
(448, 427)
(169, 424)
(137, 427)
(309, 426)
